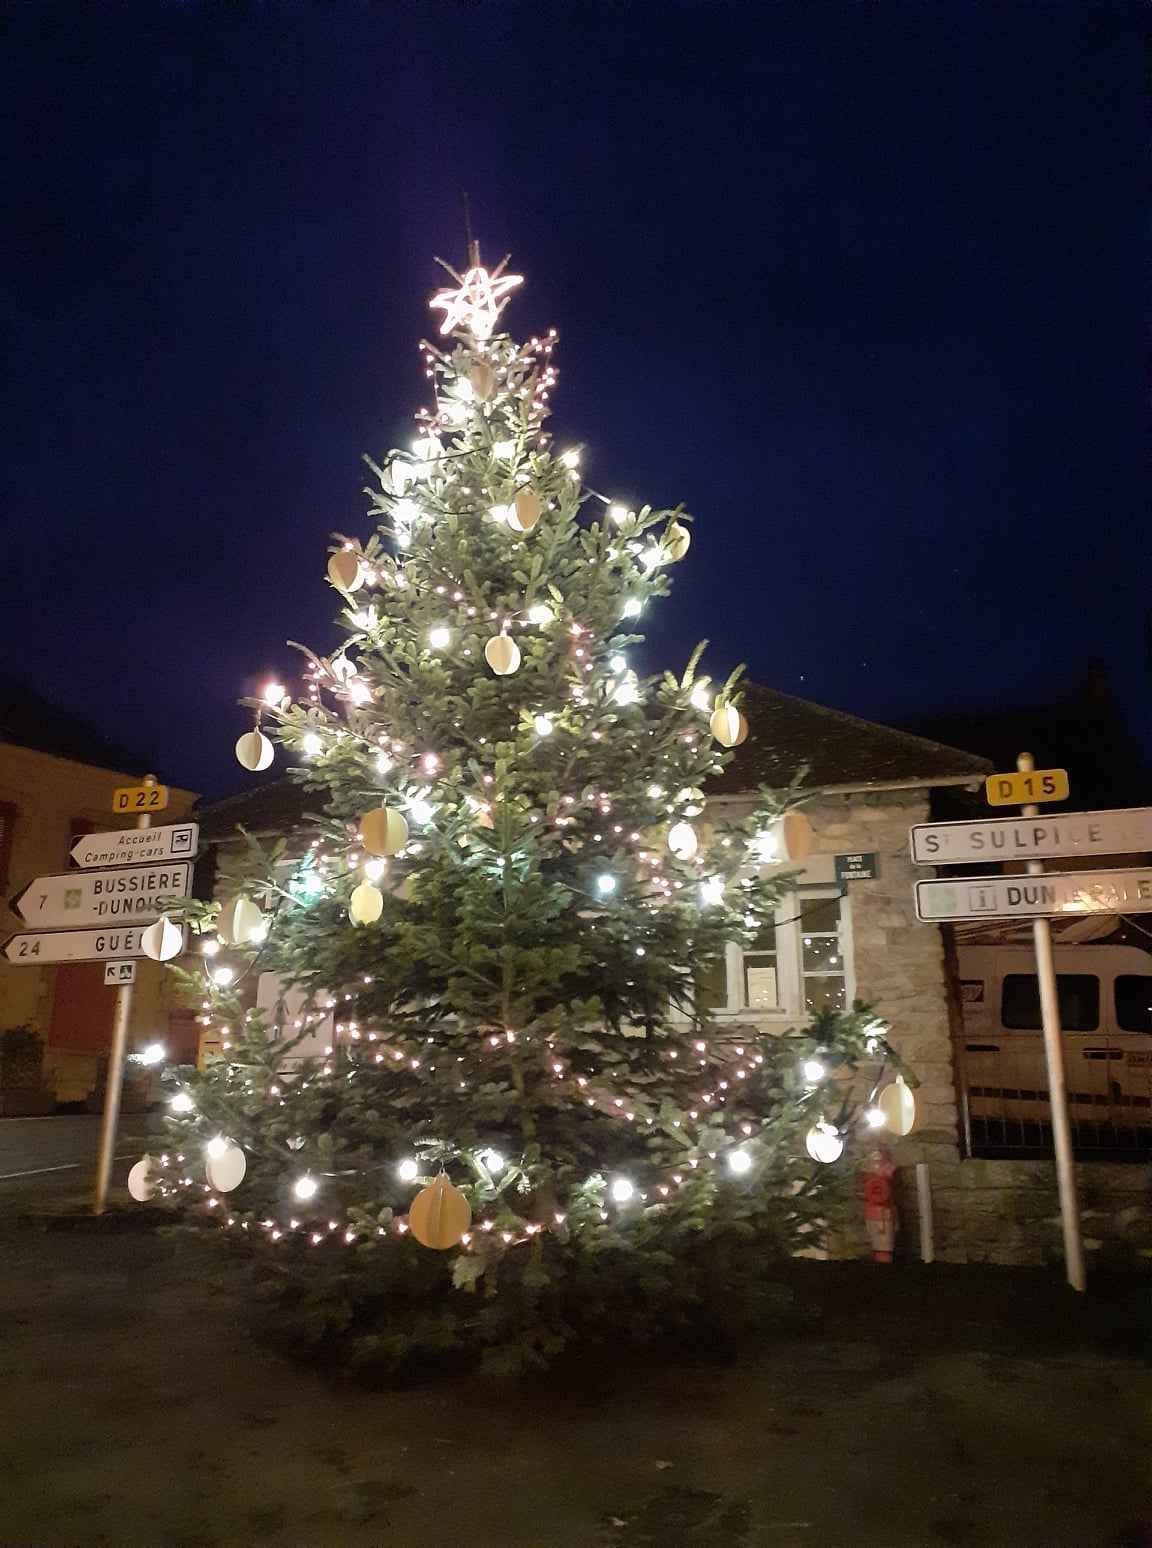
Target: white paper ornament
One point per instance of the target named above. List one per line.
(823, 1142)
(728, 725)
(682, 840)
(345, 571)
(239, 922)
(254, 751)
(383, 832)
(226, 1171)
(502, 654)
(524, 512)
(162, 941)
(898, 1105)
(366, 904)
(788, 839)
(676, 541)
(141, 1184)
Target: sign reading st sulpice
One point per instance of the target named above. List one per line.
(1121, 832)
(101, 897)
(137, 846)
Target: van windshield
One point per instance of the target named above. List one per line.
(1134, 1002)
(1078, 995)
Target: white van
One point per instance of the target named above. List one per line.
(1105, 997)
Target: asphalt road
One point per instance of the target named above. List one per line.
(47, 1158)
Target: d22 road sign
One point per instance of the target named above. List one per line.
(102, 897)
(140, 798)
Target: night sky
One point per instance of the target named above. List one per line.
(863, 286)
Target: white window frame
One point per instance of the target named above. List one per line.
(789, 963)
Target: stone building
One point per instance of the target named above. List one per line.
(848, 932)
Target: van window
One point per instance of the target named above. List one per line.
(1078, 995)
(1134, 1002)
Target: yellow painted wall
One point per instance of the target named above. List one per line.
(50, 794)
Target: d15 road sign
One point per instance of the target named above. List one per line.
(102, 897)
(1123, 832)
(137, 846)
(1023, 789)
(35, 949)
(140, 798)
(1022, 897)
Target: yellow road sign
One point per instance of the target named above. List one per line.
(1022, 789)
(140, 798)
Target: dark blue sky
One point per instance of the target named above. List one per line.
(864, 286)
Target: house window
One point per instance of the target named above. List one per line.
(796, 965)
(7, 827)
(822, 970)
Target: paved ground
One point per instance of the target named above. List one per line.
(50, 1158)
(915, 1408)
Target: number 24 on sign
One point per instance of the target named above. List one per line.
(1021, 789)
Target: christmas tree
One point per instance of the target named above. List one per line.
(523, 1127)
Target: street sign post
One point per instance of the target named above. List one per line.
(1127, 831)
(140, 798)
(1026, 785)
(37, 948)
(137, 846)
(1055, 894)
(102, 897)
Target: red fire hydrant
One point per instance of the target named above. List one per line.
(879, 1210)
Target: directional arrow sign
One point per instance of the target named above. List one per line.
(1123, 832)
(34, 950)
(1054, 893)
(102, 897)
(137, 846)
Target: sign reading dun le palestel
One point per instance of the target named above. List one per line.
(1015, 897)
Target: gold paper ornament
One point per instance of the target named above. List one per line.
(676, 541)
(383, 832)
(728, 725)
(239, 921)
(226, 1171)
(345, 571)
(898, 1105)
(254, 751)
(439, 1214)
(366, 904)
(162, 941)
(682, 840)
(824, 1143)
(502, 655)
(483, 380)
(141, 1184)
(524, 512)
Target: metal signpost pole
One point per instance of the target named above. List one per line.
(1054, 1058)
(115, 1072)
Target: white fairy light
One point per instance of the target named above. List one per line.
(739, 1161)
(618, 664)
(312, 744)
(619, 514)
(632, 607)
(383, 763)
(701, 699)
(216, 1147)
(540, 613)
(543, 725)
(605, 884)
(814, 1071)
(650, 558)
(210, 947)
(274, 693)
(305, 1187)
(874, 1118)
(493, 1160)
(712, 891)
(439, 637)
(153, 1053)
(408, 1171)
(421, 811)
(182, 1103)
(571, 458)
(504, 450)
(622, 1190)
(222, 977)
